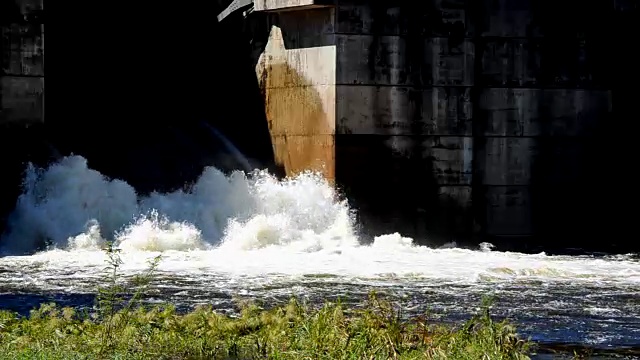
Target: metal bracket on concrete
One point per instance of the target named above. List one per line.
(235, 6)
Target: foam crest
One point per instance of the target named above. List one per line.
(70, 206)
(157, 233)
(392, 242)
(248, 224)
(63, 201)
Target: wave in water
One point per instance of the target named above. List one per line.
(70, 206)
(248, 224)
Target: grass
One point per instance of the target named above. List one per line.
(121, 327)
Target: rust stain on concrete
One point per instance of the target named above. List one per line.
(300, 107)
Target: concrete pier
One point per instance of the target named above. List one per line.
(297, 74)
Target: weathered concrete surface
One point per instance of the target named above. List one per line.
(456, 118)
(21, 62)
(407, 90)
(287, 5)
(373, 110)
(21, 94)
(298, 82)
(366, 59)
(21, 99)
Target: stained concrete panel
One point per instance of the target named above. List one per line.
(306, 152)
(397, 110)
(536, 161)
(289, 5)
(444, 160)
(302, 110)
(576, 112)
(27, 60)
(396, 60)
(22, 63)
(22, 99)
(535, 18)
(457, 198)
(453, 219)
(298, 86)
(543, 62)
(399, 180)
(281, 67)
(506, 18)
(508, 211)
(424, 18)
(450, 159)
(507, 160)
(309, 28)
(566, 160)
(510, 62)
(28, 5)
(510, 112)
(537, 112)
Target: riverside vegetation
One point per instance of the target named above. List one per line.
(122, 327)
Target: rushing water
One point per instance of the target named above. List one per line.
(254, 236)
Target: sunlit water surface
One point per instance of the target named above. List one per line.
(256, 237)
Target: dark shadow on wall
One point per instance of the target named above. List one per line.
(391, 181)
(20, 145)
(583, 200)
(10, 13)
(134, 97)
(171, 69)
(396, 177)
(23, 138)
(574, 54)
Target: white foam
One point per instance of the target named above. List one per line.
(241, 225)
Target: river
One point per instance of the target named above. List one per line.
(254, 236)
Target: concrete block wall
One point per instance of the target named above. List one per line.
(542, 93)
(457, 118)
(287, 5)
(21, 94)
(21, 62)
(404, 94)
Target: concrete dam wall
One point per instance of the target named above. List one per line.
(505, 121)
(21, 93)
(458, 120)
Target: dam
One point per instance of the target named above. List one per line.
(450, 120)
(387, 130)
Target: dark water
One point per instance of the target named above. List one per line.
(555, 314)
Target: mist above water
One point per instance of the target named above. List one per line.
(256, 235)
(70, 207)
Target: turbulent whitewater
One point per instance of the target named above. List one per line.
(256, 236)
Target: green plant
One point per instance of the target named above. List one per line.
(122, 328)
(113, 308)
